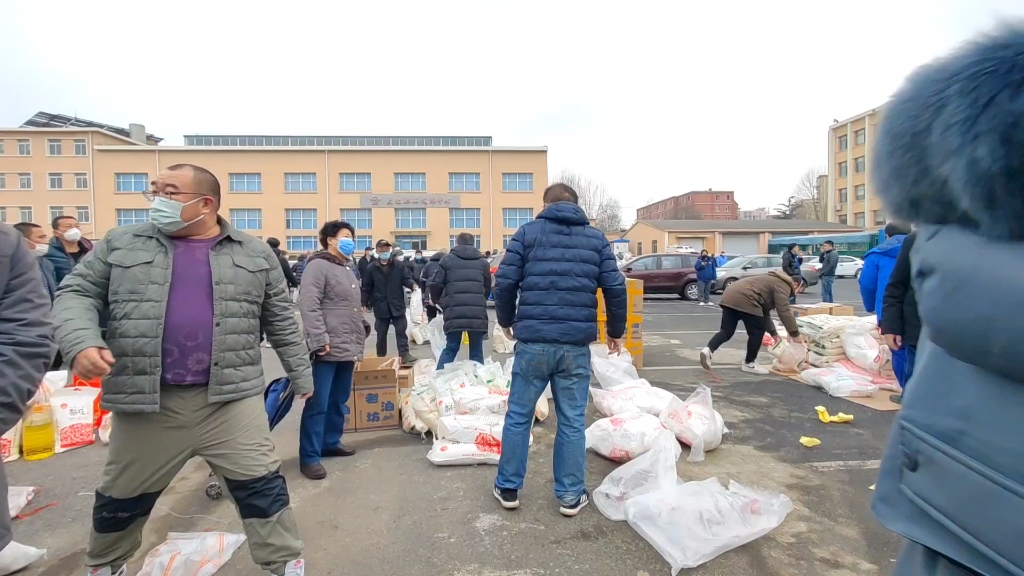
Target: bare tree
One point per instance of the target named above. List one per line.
(601, 207)
(809, 203)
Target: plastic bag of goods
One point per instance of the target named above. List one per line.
(862, 347)
(694, 522)
(767, 341)
(435, 333)
(54, 380)
(635, 396)
(542, 410)
(97, 383)
(422, 370)
(623, 438)
(10, 444)
(885, 380)
(839, 382)
(411, 423)
(17, 556)
(695, 423)
(106, 427)
(612, 369)
(73, 419)
(443, 384)
(490, 374)
(418, 315)
(655, 470)
(449, 453)
(480, 401)
(192, 554)
(792, 359)
(501, 344)
(472, 429)
(424, 405)
(416, 331)
(18, 497)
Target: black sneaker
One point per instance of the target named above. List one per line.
(896, 398)
(409, 360)
(509, 498)
(574, 509)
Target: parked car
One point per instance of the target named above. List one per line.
(744, 266)
(668, 273)
(849, 267)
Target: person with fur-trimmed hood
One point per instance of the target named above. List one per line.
(949, 158)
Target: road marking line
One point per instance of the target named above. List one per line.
(840, 465)
(687, 367)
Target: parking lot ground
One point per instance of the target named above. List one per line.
(387, 510)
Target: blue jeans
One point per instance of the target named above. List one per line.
(903, 364)
(705, 290)
(323, 416)
(567, 368)
(453, 342)
(826, 288)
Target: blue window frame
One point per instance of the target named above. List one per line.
(410, 218)
(505, 239)
(131, 182)
(300, 182)
(247, 218)
(517, 182)
(463, 217)
(451, 240)
(301, 243)
(364, 242)
(360, 218)
(410, 182)
(300, 219)
(463, 181)
(515, 217)
(411, 242)
(126, 216)
(355, 182)
(245, 182)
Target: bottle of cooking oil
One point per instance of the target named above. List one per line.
(37, 433)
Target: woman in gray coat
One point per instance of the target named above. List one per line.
(329, 301)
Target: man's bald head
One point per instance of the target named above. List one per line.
(204, 180)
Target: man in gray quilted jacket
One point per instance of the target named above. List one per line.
(181, 366)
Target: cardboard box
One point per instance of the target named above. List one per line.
(821, 308)
(377, 408)
(373, 372)
(350, 414)
(406, 378)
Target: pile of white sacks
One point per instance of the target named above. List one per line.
(463, 406)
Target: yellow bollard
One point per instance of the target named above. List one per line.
(465, 338)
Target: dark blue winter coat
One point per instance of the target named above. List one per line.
(707, 269)
(554, 266)
(878, 265)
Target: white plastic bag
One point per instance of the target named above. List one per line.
(612, 370)
(862, 348)
(422, 370)
(411, 423)
(424, 404)
(10, 444)
(501, 344)
(693, 522)
(191, 554)
(635, 396)
(18, 497)
(480, 401)
(655, 470)
(542, 410)
(468, 429)
(16, 556)
(435, 333)
(443, 384)
(106, 427)
(72, 417)
(416, 331)
(416, 312)
(490, 374)
(448, 453)
(839, 382)
(791, 358)
(695, 423)
(623, 438)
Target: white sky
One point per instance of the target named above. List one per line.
(650, 98)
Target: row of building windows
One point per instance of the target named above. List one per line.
(55, 181)
(82, 213)
(53, 148)
(362, 218)
(858, 167)
(347, 182)
(388, 141)
(859, 138)
(859, 193)
(878, 218)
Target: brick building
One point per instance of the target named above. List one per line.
(703, 205)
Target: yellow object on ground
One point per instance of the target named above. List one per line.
(839, 418)
(809, 442)
(465, 338)
(872, 487)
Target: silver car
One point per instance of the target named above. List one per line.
(743, 266)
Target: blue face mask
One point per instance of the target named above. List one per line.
(385, 256)
(166, 214)
(346, 246)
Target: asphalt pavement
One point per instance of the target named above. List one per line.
(387, 510)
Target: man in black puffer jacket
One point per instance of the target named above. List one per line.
(460, 287)
(425, 275)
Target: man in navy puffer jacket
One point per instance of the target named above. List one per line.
(546, 291)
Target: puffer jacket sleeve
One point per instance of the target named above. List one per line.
(487, 277)
(436, 283)
(613, 286)
(785, 313)
(311, 297)
(508, 279)
(283, 332)
(80, 299)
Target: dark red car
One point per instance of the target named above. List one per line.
(670, 273)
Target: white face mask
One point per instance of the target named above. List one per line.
(72, 234)
(41, 249)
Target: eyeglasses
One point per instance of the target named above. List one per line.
(151, 195)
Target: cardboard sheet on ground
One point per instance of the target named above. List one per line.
(877, 401)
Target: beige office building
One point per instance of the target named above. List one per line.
(419, 192)
(849, 198)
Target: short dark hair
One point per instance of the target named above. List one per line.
(273, 242)
(560, 193)
(367, 249)
(465, 239)
(331, 229)
(896, 228)
(791, 246)
(829, 242)
(26, 228)
(56, 221)
(206, 183)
